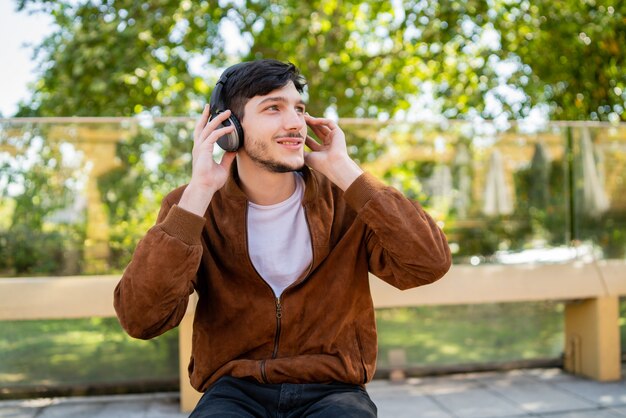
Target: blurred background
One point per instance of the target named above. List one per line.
(504, 118)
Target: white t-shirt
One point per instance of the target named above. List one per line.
(279, 241)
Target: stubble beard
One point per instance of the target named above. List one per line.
(258, 154)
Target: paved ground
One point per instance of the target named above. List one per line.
(521, 393)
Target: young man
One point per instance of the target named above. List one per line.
(278, 243)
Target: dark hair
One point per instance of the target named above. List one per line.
(257, 78)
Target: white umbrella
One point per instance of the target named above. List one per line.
(595, 200)
(539, 193)
(461, 164)
(498, 200)
(441, 188)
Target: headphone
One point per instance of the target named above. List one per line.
(234, 140)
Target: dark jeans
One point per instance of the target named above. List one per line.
(232, 397)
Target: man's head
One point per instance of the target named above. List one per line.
(258, 78)
(240, 82)
(265, 99)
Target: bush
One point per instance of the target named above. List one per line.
(25, 251)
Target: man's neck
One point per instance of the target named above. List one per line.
(264, 187)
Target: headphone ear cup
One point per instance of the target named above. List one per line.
(234, 140)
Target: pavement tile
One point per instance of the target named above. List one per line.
(161, 409)
(22, 408)
(510, 378)
(71, 410)
(126, 409)
(542, 398)
(384, 386)
(477, 403)
(156, 405)
(549, 375)
(591, 413)
(17, 412)
(620, 410)
(601, 393)
(407, 406)
(442, 385)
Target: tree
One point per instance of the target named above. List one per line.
(362, 58)
(573, 52)
(112, 59)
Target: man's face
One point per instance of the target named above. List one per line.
(275, 130)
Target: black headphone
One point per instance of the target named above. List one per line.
(234, 140)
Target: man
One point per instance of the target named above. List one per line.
(277, 242)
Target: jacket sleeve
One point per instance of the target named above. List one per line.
(154, 290)
(405, 246)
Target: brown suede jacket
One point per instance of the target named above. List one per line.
(322, 328)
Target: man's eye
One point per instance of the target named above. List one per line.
(300, 109)
(273, 107)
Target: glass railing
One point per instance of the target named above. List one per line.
(78, 193)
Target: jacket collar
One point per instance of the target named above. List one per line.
(233, 190)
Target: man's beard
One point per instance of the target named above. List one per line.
(258, 154)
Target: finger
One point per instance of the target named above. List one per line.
(218, 133)
(313, 144)
(325, 131)
(208, 144)
(202, 120)
(319, 129)
(310, 120)
(214, 123)
(324, 134)
(320, 132)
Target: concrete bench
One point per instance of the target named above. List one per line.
(591, 290)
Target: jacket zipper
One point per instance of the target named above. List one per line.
(279, 315)
(279, 308)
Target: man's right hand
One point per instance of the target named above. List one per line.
(207, 176)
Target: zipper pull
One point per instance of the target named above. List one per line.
(279, 309)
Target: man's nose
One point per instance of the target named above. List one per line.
(294, 120)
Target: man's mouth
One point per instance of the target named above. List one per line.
(290, 140)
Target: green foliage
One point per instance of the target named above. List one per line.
(44, 181)
(39, 168)
(609, 231)
(115, 58)
(540, 197)
(463, 334)
(574, 53)
(27, 251)
(366, 59)
(362, 58)
(81, 351)
(153, 161)
(96, 350)
(622, 322)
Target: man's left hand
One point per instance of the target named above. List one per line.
(330, 155)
